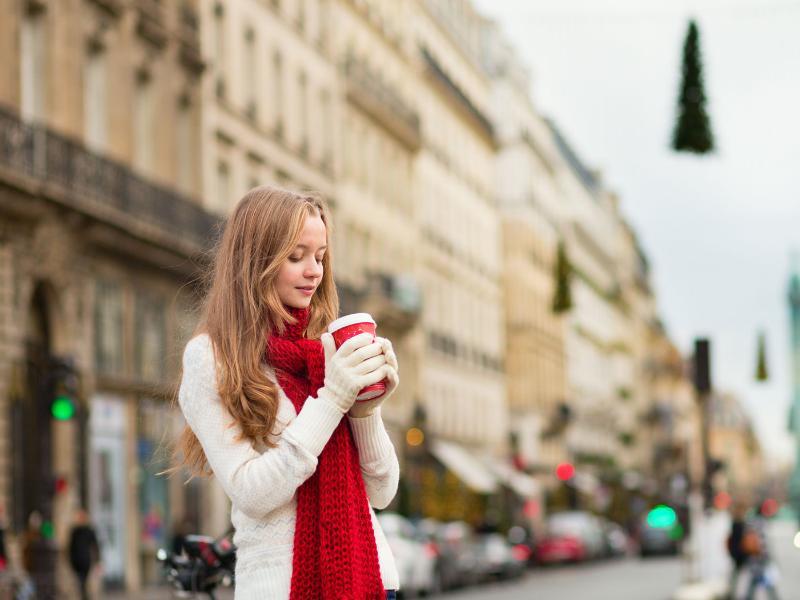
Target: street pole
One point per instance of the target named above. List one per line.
(700, 496)
(702, 384)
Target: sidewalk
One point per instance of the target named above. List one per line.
(163, 593)
(786, 556)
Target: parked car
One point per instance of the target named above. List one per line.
(496, 557)
(523, 544)
(615, 539)
(657, 540)
(571, 536)
(458, 554)
(415, 558)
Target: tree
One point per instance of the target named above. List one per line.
(562, 300)
(693, 129)
(762, 373)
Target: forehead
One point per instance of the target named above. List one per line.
(314, 233)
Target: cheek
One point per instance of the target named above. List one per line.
(285, 275)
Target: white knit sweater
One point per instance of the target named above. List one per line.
(262, 482)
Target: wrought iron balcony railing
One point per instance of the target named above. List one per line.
(99, 187)
(382, 102)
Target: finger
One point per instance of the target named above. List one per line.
(369, 365)
(328, 345)
(364, 353)
(391, 374)
(375, 376)
(388, 350)
(354, 343)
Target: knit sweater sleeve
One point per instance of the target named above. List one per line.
(256, 482)
(378, 459)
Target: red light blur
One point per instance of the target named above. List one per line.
(521, 552)
(61, 485)
(565, 471)
(769, 507)
(531, 509)
(722, 501)
(431, 550)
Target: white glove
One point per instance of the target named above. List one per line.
(366, 407)
(357, 363)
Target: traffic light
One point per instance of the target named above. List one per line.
(565, 471)
(65, 389)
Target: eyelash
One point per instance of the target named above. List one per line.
(295, 260)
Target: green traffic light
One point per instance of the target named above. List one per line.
(63, 408)
(47, 530)
(661, 517)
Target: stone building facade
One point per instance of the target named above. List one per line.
(99, 111)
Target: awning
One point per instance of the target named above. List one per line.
(465, 466)
(523, 484)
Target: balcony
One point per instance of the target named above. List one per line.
(452, 91)
(150, 22)
(113, 8)
(394, 301)
(380, 101)
(189, 35)
(63, 171)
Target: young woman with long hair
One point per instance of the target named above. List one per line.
(264, 392)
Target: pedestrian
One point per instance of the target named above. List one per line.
(264, 392)
(84, 551)
(31, 544)
(735, 546)
(761, 568)
(183, 529)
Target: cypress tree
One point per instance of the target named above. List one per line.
(693, 129)
(562, 300)
(762, 373)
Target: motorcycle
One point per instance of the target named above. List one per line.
(204, 565)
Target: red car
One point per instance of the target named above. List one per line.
(572, 536)
(558, 549)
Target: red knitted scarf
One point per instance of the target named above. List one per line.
(335, 555)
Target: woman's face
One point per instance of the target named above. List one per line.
(301, 273)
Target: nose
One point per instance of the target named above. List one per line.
(313, 270)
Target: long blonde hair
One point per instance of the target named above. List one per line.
(242, 307)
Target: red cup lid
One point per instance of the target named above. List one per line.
(348, 320)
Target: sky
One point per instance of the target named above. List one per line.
(719, 231)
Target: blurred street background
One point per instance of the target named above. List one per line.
(575, 221)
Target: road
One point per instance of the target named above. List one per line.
(628, 579)
(625, 579)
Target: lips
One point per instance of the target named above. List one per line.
(306, 288)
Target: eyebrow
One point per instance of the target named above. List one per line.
(304, 247)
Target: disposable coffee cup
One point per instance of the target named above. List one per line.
(342, 329)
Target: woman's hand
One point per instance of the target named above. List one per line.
(366, 407)
(357, 363)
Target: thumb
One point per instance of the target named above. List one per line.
(329, 346)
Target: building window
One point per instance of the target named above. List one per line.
(326, 123)
(108, 328)
(220, 48)
(143, 126)
(302, 107)
(301, 15)
(250, 75)
(186, 147)
(33, 67)
(223, 186)
(95, 109)
(151, 338)
(277, 92)
(154, 502)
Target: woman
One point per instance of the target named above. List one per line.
(264, 392)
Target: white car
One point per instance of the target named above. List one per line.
(415, 558)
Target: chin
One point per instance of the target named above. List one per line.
(300, 303)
